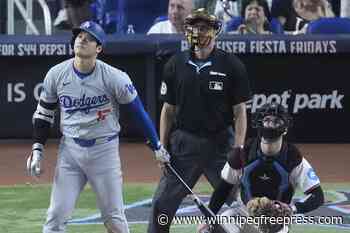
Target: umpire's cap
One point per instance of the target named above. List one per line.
(203, 15)
(92, 28)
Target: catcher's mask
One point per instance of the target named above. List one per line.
(271, 120)
(201, 27)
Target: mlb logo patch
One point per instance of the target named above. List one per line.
(215, 85)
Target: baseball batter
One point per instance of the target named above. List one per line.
(88, 93)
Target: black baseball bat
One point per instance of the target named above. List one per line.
(208, 213)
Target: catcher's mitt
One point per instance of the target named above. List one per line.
(263, 206)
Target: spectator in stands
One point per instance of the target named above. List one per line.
(110, 14)
(177, 12)
(310, 10)
(61, 21)
(73, 14)
(256, 16)
(78, 11)
(336, 6)
(294, 15)
(225, 10)
(209, 5)
(283, 10)
(345, 8)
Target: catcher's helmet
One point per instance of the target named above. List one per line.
(92, 28)
(192, 32)
(271, 120)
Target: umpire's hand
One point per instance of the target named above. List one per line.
(34, 160)
(162, 154)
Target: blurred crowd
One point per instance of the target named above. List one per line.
(238, 16)
(263, 16)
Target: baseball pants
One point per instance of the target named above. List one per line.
(191, 156)
(76, 165)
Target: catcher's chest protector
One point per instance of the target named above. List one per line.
(265, 176)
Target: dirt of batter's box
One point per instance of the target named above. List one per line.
(330, 162)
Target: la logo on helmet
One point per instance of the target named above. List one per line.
(87, 24)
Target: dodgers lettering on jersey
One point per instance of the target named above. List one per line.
(71, 105)
(89, 107)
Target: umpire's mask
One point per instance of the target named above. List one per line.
(200, 28)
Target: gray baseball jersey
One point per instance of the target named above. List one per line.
(89, 148)
(90, 106)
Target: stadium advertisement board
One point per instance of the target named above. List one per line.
(309, 78)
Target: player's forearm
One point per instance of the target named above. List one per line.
(144, 122)
(43, 118)
(240, 123)
(166, 120)
(315, 200)
(41, 131)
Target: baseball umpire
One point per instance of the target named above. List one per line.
(88, 93)
(268, 167)
(204, 91)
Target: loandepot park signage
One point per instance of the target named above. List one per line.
(315, 114)
(296, 102)
(300, 101)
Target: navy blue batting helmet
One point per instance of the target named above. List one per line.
(92, 28)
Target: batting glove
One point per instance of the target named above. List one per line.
(162, 154)
(34, 160)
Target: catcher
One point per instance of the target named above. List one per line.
(267, 170)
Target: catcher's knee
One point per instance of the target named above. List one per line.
(116, 224)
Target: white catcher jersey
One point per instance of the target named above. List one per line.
(89, 107)
(302, 176)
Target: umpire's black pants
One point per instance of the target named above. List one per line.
(191, 156)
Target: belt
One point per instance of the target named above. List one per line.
(95, 141)
(207, 133)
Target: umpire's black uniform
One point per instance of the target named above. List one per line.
(204, 93)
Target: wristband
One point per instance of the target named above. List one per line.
(38, 146)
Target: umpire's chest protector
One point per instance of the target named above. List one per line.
(269, 176)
